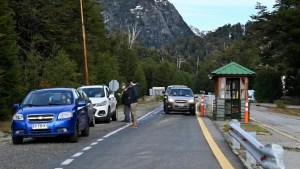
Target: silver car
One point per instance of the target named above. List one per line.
(180, 99)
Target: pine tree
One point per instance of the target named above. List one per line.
(139, 76)
(9, 65)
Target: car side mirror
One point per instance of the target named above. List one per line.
(81, 104)
(16, 106)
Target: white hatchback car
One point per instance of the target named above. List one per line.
(103, 100)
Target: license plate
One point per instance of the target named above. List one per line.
(180, 105)
(39, 126)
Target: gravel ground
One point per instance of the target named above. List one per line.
(35, 153)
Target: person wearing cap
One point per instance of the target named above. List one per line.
(126, 102)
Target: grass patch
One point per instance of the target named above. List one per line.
(5, 126)
(249, 127)
(287, 111)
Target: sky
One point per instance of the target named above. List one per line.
(210, 14)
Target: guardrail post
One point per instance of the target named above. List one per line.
(234, 142)
(250, 160)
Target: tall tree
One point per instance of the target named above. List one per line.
(139, 75)
(61, 71)
(9, 65)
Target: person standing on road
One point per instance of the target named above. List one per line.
(126, 102)
(133, 102)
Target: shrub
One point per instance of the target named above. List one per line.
(280, 104)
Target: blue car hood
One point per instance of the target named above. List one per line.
(45, 109)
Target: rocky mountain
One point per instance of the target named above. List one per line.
(196, 31)
(153, 22)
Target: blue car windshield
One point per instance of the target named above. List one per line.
(181, 92)
(48, 97)
(93, 92)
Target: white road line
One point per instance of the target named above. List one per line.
(86, 148)
(77, 154)
(94, 143)
(116, 131)
(68, 161)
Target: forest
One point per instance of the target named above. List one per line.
(41, 46)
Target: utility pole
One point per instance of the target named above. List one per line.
(84, 47)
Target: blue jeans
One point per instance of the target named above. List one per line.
(127, 113)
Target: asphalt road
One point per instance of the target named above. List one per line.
(161, 142)
(282, 122)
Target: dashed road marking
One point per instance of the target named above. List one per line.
(223, 161)
(94, 143)
(86, 148)
(77, 154)
(67, 162)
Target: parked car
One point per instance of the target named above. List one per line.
(180, 99)
(50, 112)
(91, 110)
(103, 101)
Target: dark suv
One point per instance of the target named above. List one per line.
(180, 99)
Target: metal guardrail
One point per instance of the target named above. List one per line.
(269, 156)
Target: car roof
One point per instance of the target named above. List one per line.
(91, 86)
(47, 89)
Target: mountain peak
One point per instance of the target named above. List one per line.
(157, 21)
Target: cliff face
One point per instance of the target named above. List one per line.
(155, 22)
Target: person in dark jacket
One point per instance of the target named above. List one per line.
(133, 102)
(125, 98)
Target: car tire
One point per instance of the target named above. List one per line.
(192, 112)
(86, 131)
(114, 116)
(17, 140)
(107, 119)
(93, 122)
(75, 136)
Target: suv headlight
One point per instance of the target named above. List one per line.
(65, 115)
(18, 117)
(101, 104)
(171, 100)
(191, 101)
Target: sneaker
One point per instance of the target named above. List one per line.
(135, 127)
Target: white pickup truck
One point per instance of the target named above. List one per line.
(103, 100)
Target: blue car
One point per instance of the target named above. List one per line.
(51, 112)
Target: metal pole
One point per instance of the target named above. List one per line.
(84, 47)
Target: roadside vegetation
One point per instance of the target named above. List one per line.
(287, 111)
(250, 127)
(5, 126)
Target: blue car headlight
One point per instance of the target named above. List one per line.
(65, 115)
(101, 104)
(18, 117)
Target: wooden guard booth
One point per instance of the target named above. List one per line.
(231, 91)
